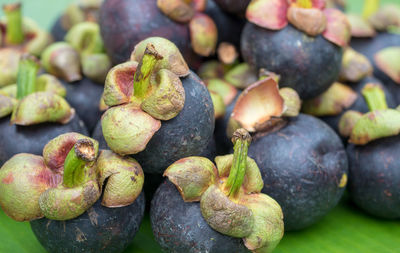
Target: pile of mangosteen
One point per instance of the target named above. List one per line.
(229, 122)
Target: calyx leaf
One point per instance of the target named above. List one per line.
(388, 61)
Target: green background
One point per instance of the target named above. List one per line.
(345, 229)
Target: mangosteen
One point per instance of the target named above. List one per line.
(302, 42)
(374, 179)
(156, 85)
(38, 112)
(62, 192)
(302, 161)
(84, 10)
(18, 35)
(237, 7)
(182, 22)
(220, 208)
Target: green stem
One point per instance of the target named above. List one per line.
(15, 32)
(26, 77)
(375, 97)
(370, 7)
(75, 165)
(141, 81)
(241, 140)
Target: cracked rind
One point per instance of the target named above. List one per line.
(192, 176)
(257, 104)
(252, 182)
(347, 122)
(7, 105)
(40, 107)
(268, 228)
(276, 18)
(62, 203)
(9, 60)
(203, 34)
(338, 29)
(388, 61)
(63, 61)
(172, 58)
(23, 179)
(50, 83)
(127, 129)
(124, 177)
(118, 87)
(292, 102)
(311, 21)
(56, 150)
(177, 10)
(355, 66)
(167, 97)
(226, 90)
(332, 102)
(360, 28)
(224, 215)
(241, 76)
(375, 125)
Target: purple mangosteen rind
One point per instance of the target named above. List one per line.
(237, 7)
(230, 199)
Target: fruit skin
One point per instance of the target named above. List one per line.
(369, 47)
(360, 104)
(187, 134)
(124, 23)
(237, 7)
(57, 30)
(100, 229)
(32, 139)
(229, 26)
(289, 52)
(179, 226)
(84, 96)
(375, 177)
(302, 165)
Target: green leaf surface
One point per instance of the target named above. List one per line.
(345, 229)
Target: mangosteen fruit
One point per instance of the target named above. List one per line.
(18, 35)
(237, 7)
(77, 198)
(182, 22)
(156, 86)
(374, 177)
(38, 112)
(302, 161)
(220, 208)
(301, 37)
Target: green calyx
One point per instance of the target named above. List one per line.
(355, 66)
(9, 62)
(218, 104)
(143, 93)
(229, 195)
(67, 180)
(388, 61)
(85, 38)
(380, 122)
(26, 78)
(241, 76)
(14, 33)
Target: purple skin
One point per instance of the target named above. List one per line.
(84, 96)
(179, 226)
(237, 7)
(100, 229)
(302, 165)
(31, 139)
(57, 31)
(124, 23)
(308, 65)
(375, 177)
(369, 47)
(360, 104)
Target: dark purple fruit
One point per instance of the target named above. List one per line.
(304, 167)
(31, 139)
(124, 23)
(58, 31)
(307, 64)
(84, 96)
(237, 7)
(99, 229)
(375, 177)
(179, 226)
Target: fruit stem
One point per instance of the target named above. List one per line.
(26, 77)
(14, 32)
(141, 80)
(370, 7)
(241, 140)
(81, 154)
(375, 97)
(304, 3)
